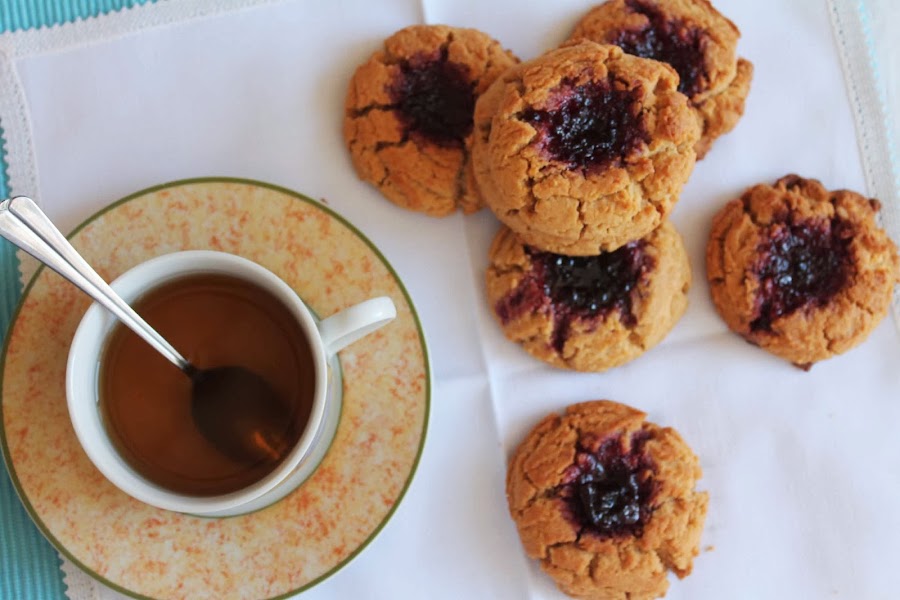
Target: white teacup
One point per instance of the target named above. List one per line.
(325, 339)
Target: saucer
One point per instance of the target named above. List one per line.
(277, 551)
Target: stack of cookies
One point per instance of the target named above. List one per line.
(582, 154)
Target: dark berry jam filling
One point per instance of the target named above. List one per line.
(588, 285)
(670, 41)
(590, 126)
(435, 98)
(579, 287)
(801, 264)
(609, 489)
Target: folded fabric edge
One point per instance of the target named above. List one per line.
(10, 292)
(22, 15)
(20, 166)
(93, 29)
(856, 47)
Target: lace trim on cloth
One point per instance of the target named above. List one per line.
(21, 167)
(850, 21)
(109, 26)
(78, 585)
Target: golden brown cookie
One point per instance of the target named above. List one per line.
(408, 115)
(691, 36)
(584, 149)
(606, 502)
(800, 271)
(589, 313)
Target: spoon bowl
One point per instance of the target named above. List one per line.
(241, 414)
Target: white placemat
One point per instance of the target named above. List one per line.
(800, 466)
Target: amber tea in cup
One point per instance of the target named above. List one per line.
(154, 453)
(214, 320)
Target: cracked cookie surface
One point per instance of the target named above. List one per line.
(589, 313)
(801, 271)
(691, 36)
(409, 112)
(606, 502)
(583, 149)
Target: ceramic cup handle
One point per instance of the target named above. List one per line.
(344, 328)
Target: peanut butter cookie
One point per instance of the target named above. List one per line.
(800, 271)
(408, 115)
(606, 501)
(691, 36)
(589, 313)
(584, 149)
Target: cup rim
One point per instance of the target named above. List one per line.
(82, 372)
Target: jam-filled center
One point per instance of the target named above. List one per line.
(589, 285)
(579, 287)
(801, 264)
(671, 41)
(591, 125)
(435, 98)
(609, 488)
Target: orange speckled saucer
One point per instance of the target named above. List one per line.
(280, 550)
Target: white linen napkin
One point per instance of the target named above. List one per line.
(801, 467)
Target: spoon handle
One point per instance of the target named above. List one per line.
(26, 226)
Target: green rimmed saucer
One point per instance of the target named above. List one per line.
(278, 551)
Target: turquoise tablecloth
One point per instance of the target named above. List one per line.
(29, 566)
